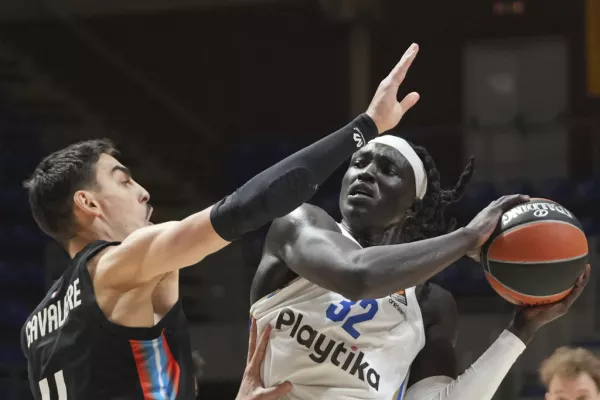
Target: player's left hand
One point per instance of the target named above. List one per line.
(385, 110)
(252, 387)
(529, 319)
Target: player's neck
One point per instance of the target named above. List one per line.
(82, 239)
(372, 236)
(75, 245)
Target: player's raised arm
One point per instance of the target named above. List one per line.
(155, 250)
(309, 242)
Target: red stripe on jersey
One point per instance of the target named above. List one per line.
(143, 369)
(173, 370)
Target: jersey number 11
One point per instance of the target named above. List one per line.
(61, 388)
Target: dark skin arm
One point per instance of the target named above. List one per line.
(440, 317)
(310, 243)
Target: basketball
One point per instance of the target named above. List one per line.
(536, 253)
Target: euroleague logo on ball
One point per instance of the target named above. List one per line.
(539, 209)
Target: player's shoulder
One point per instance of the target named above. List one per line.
(305, 216)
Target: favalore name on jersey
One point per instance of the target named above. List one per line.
(53, 316)
(307, 336)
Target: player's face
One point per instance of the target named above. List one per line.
(123, 203)
(581, 387)
(377, 189)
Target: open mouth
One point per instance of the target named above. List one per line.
(361, 190)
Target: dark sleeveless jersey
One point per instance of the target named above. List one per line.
(75, 353)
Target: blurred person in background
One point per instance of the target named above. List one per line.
(571, 374)
(353, 315)
(112, 326)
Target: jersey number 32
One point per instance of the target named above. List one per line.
(337, 312)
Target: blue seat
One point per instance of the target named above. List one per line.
(555, 189)
(9, 275)
(33, 272)
(14, 197)
(282, 149)
(480, 194)
(15, 313)
(517, 186)
(587, 196)
(591, 226)
(11, 354)
(21, 273)
(248, 159)
(27, 235)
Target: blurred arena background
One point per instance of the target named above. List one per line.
(202, 94)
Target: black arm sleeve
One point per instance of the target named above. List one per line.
(283, 187)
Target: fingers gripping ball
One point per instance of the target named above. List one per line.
(536, 253)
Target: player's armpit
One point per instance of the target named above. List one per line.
(158, 249)
(437, 358)
(433, 374)
(479, 382)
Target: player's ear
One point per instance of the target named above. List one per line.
(85, 203)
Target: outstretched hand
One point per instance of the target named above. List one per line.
(385, 110)
(528, 319)
(252, 387)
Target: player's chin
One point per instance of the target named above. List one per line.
(359, 204)
(357, 211)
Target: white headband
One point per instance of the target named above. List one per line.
(413, 159)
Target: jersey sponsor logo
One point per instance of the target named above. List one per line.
(397, 307)
(540, 209)
(398, 297)
(52, 316)
(345, 358)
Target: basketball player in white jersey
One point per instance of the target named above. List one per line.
(122, 334)
(343, 325)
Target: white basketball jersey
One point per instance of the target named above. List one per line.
(331, 348)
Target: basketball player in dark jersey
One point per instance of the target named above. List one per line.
(393, 236)
(112, 326)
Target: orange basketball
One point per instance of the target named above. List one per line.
(536, 253)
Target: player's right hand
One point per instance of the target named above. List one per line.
(384, 109)
(485, 222)
(252, 387)
(529, 319)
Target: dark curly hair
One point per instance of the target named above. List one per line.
(57, 178)
(427, 218)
